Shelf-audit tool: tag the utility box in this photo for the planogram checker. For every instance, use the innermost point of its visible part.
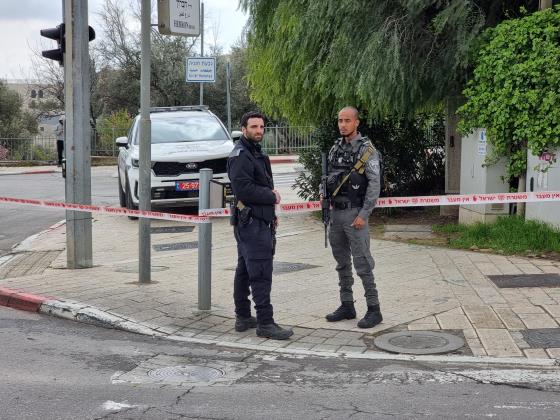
(543, 174)
(477, 178)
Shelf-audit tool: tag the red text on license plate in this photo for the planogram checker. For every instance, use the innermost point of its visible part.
(186, 185)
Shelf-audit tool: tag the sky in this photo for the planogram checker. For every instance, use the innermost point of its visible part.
(21, 21)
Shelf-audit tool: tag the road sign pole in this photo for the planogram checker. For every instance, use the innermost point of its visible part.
(202, 48)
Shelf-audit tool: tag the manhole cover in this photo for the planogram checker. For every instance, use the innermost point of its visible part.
(289, 267)
(419, 342)
(526, 280)
(176, 246)
(134, 268)
(542, 338)
(172, 229)
(187, 373)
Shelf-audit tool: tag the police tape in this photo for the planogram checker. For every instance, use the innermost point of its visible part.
(419, 201)
(115, 211)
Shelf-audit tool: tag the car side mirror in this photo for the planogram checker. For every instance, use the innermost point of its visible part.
(236, 135)
(122, 141)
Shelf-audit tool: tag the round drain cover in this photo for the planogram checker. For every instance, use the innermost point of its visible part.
(419, 342)
(187, 373)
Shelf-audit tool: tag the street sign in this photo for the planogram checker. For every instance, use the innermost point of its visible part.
(201, 69)
(179, 17)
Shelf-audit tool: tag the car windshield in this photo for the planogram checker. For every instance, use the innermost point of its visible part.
(185, 129)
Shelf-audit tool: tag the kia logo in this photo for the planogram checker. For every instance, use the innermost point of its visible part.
(191, 165)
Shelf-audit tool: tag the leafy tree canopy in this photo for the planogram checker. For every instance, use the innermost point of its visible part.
(14, 122)
(309, 58)
(515, 90)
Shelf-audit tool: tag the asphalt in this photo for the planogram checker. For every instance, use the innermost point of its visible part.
(421, 289)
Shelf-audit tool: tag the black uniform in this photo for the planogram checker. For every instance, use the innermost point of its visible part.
(251, 180)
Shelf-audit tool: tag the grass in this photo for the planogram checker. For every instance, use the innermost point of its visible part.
(508, 235)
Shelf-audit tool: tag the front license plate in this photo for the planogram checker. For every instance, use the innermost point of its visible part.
(186, 186)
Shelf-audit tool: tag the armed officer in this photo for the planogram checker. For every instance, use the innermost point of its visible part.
(254, 223)
(353, 188)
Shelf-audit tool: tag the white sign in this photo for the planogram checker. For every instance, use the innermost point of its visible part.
(201, 69)
(482, 149)
(179, 17)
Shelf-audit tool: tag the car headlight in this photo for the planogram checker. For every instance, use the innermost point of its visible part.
(134, 163)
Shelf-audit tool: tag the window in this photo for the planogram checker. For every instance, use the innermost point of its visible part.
(33, 93)
(186, 129)
(40, 94)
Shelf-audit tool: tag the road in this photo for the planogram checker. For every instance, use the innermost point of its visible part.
(20, 222)
(58, 369)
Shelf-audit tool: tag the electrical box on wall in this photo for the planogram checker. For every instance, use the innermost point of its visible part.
(543, 174)
(476, 177)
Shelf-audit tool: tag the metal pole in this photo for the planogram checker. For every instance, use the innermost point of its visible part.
(228, 95)
(145, 178)
(204, 244)
(202, 48)
(78, 133)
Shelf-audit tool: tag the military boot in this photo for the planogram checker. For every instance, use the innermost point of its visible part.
(273, 331)
(243, 324)
(371, 318)
(345, 311)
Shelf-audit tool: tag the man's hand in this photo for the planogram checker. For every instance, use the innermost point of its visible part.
(358, 223)
(277, 194)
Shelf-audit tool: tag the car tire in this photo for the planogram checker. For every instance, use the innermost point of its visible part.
(128, 200)
(122, 197)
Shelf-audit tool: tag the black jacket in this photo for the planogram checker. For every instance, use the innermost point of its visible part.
(251, 178)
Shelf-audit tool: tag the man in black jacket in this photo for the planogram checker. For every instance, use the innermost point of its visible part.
(254, 225)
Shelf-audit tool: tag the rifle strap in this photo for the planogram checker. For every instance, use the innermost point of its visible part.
(359, 167)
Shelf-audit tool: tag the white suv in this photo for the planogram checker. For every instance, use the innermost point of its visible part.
(185, 139)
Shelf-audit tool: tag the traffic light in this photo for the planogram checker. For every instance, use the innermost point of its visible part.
(58, 35)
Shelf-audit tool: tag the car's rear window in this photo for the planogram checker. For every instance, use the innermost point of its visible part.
(192, 128)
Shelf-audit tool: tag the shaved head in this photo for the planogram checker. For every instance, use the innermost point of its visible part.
(353, 110)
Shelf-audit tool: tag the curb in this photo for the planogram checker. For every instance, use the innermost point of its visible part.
(46, 171)
(81, 312)
(20, 300)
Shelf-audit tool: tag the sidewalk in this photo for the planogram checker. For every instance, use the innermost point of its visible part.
(421, 288)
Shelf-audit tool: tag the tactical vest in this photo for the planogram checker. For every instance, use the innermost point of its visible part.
(340, 164)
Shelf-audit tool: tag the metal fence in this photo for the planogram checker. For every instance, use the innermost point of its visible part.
(278, 140)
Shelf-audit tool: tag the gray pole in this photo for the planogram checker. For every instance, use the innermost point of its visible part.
(202, 48)
(228, 95)
(145, 178)
(77, 133)
(204, 244)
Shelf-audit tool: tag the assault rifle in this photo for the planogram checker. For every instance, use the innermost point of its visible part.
(325, 201)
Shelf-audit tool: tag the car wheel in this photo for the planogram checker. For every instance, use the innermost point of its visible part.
(122, 197)
(128, 199)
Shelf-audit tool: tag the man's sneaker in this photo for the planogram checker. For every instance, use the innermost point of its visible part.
(243, 324)
(274, 331)
(371, 318)
(344, 311)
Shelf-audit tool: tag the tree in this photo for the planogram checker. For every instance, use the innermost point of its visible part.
(515, 90)
(14, 122)
(389, 57)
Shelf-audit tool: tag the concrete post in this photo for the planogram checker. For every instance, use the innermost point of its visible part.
(204, 244)
(145, 164)
(78, 133)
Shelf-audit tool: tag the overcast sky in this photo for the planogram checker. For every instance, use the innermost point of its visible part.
(21, 21)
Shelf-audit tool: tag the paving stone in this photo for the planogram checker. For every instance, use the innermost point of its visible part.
(311, 339)
(498, 342)
(324, 333)
(553, 310)
(349, 335)
(423, 327)
(325, 347)
(300, 346)
(478, 351)
(509, 318)
(533, 321)
(482, 317)
(453, 322)
(251, 340)
(535, 354)
(351, 349)
(554, 352)
(337, 341)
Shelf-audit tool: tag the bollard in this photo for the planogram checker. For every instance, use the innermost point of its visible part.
(204, 244)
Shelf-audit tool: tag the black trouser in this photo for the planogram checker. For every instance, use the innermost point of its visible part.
(60, 150)
(254, 270)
